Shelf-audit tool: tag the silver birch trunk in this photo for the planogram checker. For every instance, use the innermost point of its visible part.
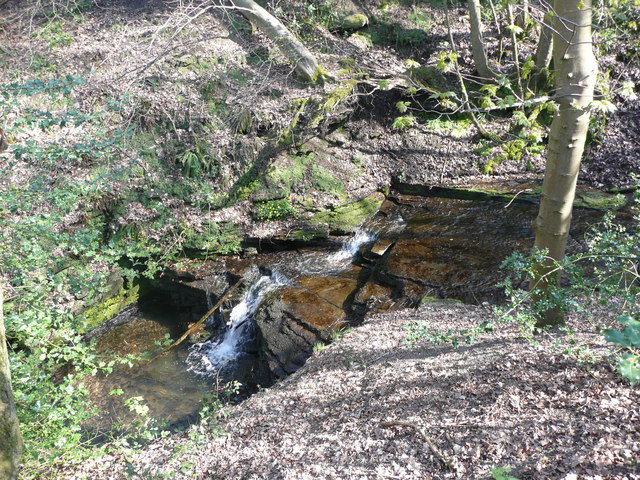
(304, 62)
(575, 73)
(10, 440)
(477, 42)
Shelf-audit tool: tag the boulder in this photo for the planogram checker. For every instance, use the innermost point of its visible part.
(291, 321)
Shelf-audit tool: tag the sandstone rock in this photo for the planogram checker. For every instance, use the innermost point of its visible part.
(297, 317)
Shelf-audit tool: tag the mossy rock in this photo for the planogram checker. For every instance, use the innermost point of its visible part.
(308, 234)
(96, 315)
(600, 201)
(428, 77)
(592, 200)
(269, 193)
(463, 193)
(345, 218)
(352, 22)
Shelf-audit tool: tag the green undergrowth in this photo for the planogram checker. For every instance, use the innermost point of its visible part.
(271, 192)
(274, 210)
(80, 226)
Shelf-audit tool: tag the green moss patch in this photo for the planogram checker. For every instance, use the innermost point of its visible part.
(96, 315)
(353, 22)
(592, 200)
(345, 218)
(600, 201)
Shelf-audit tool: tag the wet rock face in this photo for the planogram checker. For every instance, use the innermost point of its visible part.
(297, 317)
(453, 248)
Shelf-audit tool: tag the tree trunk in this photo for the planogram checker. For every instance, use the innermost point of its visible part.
(543, 54)
(522, 17)
(10, 440)
(516, 55)
(575, 73)
(305, 63)
(477, 42)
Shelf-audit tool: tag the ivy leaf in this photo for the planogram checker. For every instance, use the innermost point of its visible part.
(628, 91)
(403, 106)
(501, 473)
(617, 337)
(603, 106)
(402, 123)
(491, 89)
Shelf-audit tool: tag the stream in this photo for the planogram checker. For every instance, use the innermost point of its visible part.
(415, 248)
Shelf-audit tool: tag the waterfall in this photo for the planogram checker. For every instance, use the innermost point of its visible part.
(210, 357)
(231, 349)
(319, 265)
(352, 246)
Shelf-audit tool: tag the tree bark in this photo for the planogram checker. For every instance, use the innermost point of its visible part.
(543, 53)
(304, 62)
(10, 440)
(477, 42)
(522, 17)
(575, 73)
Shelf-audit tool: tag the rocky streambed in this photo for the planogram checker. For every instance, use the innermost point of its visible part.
(296, 296)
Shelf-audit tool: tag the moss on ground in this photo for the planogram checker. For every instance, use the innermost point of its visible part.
(600, 201)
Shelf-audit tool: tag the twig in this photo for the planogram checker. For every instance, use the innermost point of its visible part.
(422, 434)
(516, 196)
(483, 133)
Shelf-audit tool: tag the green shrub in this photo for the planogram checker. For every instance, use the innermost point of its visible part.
(62, 236)
(629, 339)
(274, 210)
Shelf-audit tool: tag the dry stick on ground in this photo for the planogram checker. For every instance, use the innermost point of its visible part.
(422, 434)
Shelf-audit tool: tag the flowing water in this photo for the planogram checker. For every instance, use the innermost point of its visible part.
(414, 248)
(227, 353)
(209, 358)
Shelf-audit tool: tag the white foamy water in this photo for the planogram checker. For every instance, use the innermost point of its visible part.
(351, 247)
(324, 264)
(208, 358)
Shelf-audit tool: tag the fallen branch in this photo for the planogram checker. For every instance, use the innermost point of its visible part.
(422, 434)
(204, 318)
